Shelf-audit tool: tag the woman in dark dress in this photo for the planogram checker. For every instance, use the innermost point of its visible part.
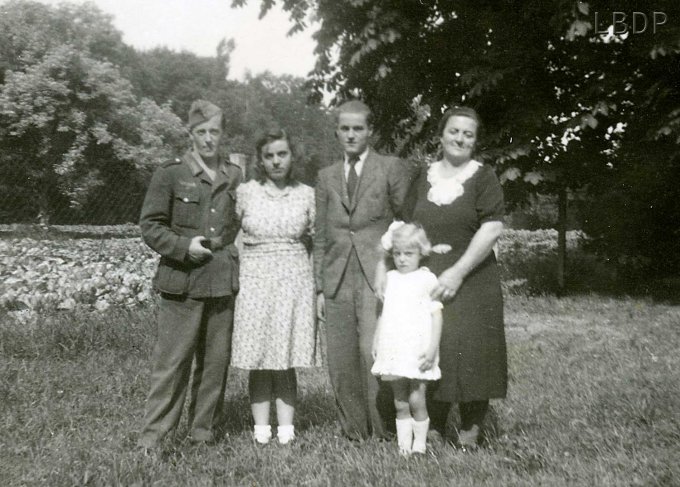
(459, 202)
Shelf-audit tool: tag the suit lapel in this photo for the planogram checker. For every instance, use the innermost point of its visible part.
(368, 175)
(339, 184)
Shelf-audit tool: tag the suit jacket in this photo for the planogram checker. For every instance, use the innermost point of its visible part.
(182, 202)
(342, 225)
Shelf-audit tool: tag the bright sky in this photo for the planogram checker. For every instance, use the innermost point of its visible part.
(199, 25)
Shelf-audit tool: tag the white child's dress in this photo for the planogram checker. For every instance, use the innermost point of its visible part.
(406, 326)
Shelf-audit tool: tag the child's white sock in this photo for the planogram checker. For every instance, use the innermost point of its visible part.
(285, 433)
(405, 435)
(262, 433)
(420, 435)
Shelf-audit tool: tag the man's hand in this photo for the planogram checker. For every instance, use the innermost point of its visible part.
(380, 280)
(197, 253)
(379, 284)
(320, 307)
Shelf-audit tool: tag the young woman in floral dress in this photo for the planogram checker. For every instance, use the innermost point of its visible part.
(274, 322)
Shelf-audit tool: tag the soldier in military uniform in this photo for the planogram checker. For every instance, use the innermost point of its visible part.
(189, 218)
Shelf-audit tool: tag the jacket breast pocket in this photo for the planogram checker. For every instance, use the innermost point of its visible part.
(186, 211)
(377, 204)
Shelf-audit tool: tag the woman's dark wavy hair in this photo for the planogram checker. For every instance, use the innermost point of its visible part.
(459, 112)
(273, 134)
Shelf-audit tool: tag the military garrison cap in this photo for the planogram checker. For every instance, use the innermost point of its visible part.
(202, 111)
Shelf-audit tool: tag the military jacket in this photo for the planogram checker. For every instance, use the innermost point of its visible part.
(181, 203)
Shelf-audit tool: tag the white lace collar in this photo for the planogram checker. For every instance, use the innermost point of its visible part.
(445, 189)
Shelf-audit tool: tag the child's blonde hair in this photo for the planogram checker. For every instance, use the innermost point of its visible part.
(412, 234)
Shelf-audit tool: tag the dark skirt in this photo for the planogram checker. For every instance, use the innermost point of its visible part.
(472, 349)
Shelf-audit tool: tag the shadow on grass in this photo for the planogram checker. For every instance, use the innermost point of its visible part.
(584, 274)
(315, 404)
(593, 400)
(71, 334)
(68, 232)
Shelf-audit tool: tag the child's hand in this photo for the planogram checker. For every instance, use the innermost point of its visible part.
(426, 361)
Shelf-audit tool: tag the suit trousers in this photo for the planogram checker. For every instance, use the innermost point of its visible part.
(365, 404)
(189, 329)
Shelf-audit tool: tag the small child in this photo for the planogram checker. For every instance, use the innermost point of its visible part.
(406, 342)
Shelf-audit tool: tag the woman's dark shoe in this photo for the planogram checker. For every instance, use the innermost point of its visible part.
(468, 440)
(437, 441)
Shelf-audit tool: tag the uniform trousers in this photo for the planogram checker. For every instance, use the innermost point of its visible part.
(365, 404)
(189, 329)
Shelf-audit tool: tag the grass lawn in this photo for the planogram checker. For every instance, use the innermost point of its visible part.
(594, 400)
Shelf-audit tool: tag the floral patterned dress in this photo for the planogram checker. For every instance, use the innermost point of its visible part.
(274, 319)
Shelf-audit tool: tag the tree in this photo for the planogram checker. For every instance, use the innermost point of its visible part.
(539, 72)
(77, 139)
(179, 78)
(29, 30)
(634, 205)
(71, 126)
(264, 100)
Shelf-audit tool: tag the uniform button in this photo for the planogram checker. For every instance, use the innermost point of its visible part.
(212, 229)
(186, 200)
(351, 233)
(212, 210)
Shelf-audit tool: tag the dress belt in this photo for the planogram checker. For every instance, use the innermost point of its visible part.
(272, 246)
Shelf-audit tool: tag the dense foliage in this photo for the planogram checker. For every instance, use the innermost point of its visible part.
(567, 109)
(84, 270)
(61, 274)
(73, 134)
(84, 118)
(74, 138)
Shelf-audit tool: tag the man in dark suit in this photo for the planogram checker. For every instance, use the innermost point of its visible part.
(356, 200)
(189, 218)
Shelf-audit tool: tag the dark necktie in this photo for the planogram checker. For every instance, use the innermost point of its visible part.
(352, 177)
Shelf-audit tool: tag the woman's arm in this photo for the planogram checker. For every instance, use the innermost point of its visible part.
(479, 248)
(319, 243)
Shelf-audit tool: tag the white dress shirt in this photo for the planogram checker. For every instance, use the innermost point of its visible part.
(358, 166)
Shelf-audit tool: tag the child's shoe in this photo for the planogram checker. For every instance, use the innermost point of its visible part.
(262, 433)
(285, 434)
(405, 435)
(420, 436)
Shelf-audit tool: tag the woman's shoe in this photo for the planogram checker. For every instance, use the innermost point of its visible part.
(262, 433)
(469, 439)
(285, 434)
